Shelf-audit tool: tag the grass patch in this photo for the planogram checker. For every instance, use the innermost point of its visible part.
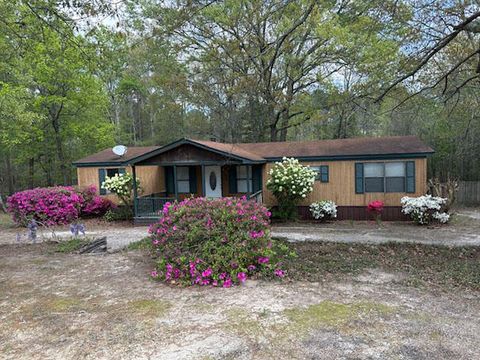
(70, 246)
(329, 313)
(6, 221)
(143, 244)
(424, 264)
(148, 307)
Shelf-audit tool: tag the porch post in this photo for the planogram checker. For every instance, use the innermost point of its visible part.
(135, 192)
(175, 187)
(249, 179)
(203, 180)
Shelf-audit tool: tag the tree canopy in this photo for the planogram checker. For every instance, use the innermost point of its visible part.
(80, 76)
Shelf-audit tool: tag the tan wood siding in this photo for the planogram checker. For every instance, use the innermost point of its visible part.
(152, 178)
(341, 185)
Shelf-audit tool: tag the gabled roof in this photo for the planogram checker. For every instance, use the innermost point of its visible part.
(355, 148)
(108, 158)
(338, 148)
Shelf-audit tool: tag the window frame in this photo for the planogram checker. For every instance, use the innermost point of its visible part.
(183, 180)
(322, 173)
(247, 179)
(385, 177)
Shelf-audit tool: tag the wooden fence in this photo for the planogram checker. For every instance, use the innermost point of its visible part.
(468, 193)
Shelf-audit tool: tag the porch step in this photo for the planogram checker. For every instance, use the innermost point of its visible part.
(145, 220)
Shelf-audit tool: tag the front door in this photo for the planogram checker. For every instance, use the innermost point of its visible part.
(213, 181)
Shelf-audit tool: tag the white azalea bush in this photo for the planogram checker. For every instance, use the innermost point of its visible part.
(324, 210)
(290, 182)
(122, 186)
(425, 209)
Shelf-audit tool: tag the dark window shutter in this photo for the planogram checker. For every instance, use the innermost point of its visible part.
(192, 177)
(324, 173)
(232, 179)
(101, 178)
(169, 182)
(121, 171)
(359, 178)
(410, 177)
(257, 178)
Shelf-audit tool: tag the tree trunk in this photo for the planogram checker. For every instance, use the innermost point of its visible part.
(31, 173)
(10, 178)
(54, 112)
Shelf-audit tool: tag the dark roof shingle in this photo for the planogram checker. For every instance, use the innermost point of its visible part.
(107, 155)
(353, 147)
(340, 147)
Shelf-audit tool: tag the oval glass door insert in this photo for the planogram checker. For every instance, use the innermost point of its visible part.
(213, 180)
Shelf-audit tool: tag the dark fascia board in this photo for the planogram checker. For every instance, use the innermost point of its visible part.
(356, 157)
(99, 164)
(194, 143)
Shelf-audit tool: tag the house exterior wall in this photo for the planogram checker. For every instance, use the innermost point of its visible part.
(341, 185)
(152, 178)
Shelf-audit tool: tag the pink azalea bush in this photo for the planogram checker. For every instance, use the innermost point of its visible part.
(94, 205)
(55, 205)
(375, 207)
(220, 242)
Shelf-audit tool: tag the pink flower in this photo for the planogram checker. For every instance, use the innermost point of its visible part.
(279, 273)
(154, 273)
(227, 283)
(263, 260)
(155, 242)
(214, 283)
(251, 268)
(207, 272)
(241, 276)
(223, 276)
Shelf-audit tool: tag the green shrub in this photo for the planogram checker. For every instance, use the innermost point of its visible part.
(119, 214)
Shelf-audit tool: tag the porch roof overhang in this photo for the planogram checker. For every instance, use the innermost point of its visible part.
(231, 155)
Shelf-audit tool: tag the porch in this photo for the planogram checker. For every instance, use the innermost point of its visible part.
(188, 169)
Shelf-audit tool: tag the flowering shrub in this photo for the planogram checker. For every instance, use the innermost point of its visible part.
(94, 205)
(323, 210)
(56, 205)
(122, 186)
(424, 209)
(217, 242)
(50, 206)
(290, 182)
(375, 207)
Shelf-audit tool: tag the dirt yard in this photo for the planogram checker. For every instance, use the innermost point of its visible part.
(66, 306)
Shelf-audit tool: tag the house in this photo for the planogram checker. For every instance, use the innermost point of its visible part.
(351, 172)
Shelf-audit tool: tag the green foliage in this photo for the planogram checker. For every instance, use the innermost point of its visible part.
(120, 213)
(69, 88)
(70, 246)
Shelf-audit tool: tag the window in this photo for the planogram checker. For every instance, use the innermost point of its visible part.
(183, 179)
(384, 177)
(244, 176)
(322, 173)
(374, 177)
(395, 177)
(112, 172)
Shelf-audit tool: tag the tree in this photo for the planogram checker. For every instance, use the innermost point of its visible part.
(275, 51)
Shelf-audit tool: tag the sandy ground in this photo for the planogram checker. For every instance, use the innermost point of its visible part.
(59, 306)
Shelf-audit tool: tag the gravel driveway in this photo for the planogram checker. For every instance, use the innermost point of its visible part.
(464, 231)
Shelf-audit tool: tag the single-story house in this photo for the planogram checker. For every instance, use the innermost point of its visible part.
(351, 172)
